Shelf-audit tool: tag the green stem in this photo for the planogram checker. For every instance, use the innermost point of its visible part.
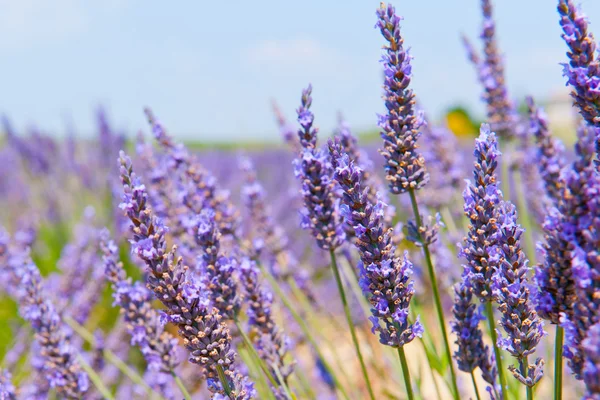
(224, 380)
(475, 385)
(436, 294)
(261, 363)
(490, 317)
(340, 285)
(558, 362)
(96, 380)
(525, 373)
(109, 355)
(181, 386)
(406, 373)
(285, 387)
(286, 302)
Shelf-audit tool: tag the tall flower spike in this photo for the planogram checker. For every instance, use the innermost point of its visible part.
(583, 70)
(315, 172)
(60, 368)
(217, 271)
(550, 153)
(581, 225)
(401, 126)
(591, 366)
(520, 321)
(286, 129)
(481, 199)
(471, 352)
(384, 279)
(204, 333)
(143, 322)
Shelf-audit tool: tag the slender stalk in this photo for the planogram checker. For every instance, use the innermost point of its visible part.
(285, 387)
(558, 362)
(254, 353)
(307, 333)
(109, 355)
(525, 373)
(475, 385)
(406, 373)
(490, 317)
(96, 380)
(340, 285)
(181, 386)
(436, 294)
(224, 380)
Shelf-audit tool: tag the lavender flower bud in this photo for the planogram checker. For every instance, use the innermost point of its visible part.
(591, 366)
(550, 155)
(471, 352)
(384, 279)
(315, 172)
(59, 365)
(583, 69)
(143, 322)
(481, 199)
(520, 321)
(401, 127)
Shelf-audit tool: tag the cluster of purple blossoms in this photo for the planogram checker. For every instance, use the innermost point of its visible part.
(60, 368)
(7, 389)
(482, 198)
(216, 270)
(520, 321)
(198, 188)
(472, 352)
(315, 172)
(384, 278)
(490, 69)
(143, 322)
(583, 70)
(204, 333)
(401, 126)
(550, 153)
(581, 226)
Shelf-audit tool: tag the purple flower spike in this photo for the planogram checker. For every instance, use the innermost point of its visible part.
(401, 126)
(384, 279)
(550, 153)
(472, 352)
(143, 321)
(583, 70)
(60, 368)
(591, 366)
(307, 134)
(315, 172)
(481, 200)
(204, 333)
(520, 321)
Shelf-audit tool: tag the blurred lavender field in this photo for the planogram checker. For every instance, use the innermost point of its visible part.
(453, 260)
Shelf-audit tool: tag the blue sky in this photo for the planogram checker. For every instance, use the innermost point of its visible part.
(209, 68)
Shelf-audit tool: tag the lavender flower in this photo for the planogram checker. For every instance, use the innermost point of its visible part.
(287, 130)
(401, 127)
(315, 172)
(500, 110)
(384, 279)
(520, 321)
(143, 322)
(217, 271)
(550, 154)
(591, 367)
(204, 333)
(59, 365)
(471, 352)
(481, 199)
(583, 70)
(271, 342)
